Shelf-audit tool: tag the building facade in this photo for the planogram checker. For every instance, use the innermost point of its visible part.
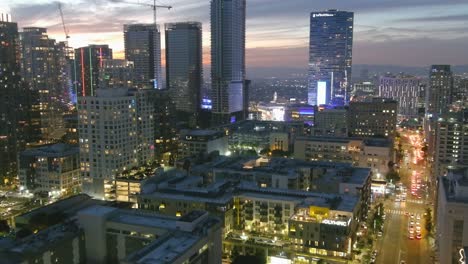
(452, 217)
(330, 56)
(376, 118)
(143, 48)
(112, 235)
(440, 90)
(228, 60)
(202, 142)
(111, 138)
(88, 61)
(375, 154)
(184, 69)
(331, 122)
(403, 89)
(53, 169)
(451, 142)
(117, 74)
(16, 126)
(42, 69)
(460, 89)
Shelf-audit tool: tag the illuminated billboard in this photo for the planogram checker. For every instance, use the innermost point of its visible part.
(321, 93)
(279, 260)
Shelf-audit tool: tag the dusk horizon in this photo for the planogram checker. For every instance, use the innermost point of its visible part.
(419, 33)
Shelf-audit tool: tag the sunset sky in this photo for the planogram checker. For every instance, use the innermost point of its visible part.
(398, 32)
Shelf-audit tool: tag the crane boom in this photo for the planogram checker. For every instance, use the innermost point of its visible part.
(65, 30)
(157, 55)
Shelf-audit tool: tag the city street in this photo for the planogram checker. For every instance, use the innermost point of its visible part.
(400, 243)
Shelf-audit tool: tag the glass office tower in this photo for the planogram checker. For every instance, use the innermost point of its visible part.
(330, 56)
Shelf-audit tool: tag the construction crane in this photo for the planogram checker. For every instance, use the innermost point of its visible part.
(157, 56)
(65, 30)
(70, 57)
(154, 6)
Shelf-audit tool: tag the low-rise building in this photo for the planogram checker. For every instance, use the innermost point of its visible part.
(259, 201)
(259, 135)
(104, 234)
(52, 169)
(372, 153)
(128, 183)
(201, 142)
(130, 236)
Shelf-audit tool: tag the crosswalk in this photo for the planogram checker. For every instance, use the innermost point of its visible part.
(395, 211)
(414, 201)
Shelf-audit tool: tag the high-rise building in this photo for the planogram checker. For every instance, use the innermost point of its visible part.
(330, 56)
(116, 74)
(452, 217)
(143, 47)
(376, 118)
(460, 89)
(451, 142)
(15, 107)
(88, 61)
(439, 94)
(41, 69)
(184, 68)
(405, 90)
(165, 137)
(331, 122)
(111, 138)
(228, 60)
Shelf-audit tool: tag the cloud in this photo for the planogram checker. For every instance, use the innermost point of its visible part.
(277, 31)
(449, 18)
(412, 52)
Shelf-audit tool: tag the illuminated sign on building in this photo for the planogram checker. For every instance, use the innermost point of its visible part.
(462, 259)
(334, 222)
(279, 260)
(206, 104)
(278, 114)
(323, 15)
(321, 93)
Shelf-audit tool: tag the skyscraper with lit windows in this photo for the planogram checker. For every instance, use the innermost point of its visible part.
(330, 56)
(143, 48)
(16, 128)
(184, 68)
(116, 130)
(228, 60)
(88, 61)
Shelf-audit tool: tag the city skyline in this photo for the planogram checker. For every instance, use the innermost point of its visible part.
(418, 33)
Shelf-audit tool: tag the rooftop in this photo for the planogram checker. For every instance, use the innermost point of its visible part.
(455, 187)
(168, 249)
(139, 218)
(202, 133)
(52, 151)
(68, 206)
(46, 239)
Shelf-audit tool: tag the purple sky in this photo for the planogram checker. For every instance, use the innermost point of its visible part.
(399, 32)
